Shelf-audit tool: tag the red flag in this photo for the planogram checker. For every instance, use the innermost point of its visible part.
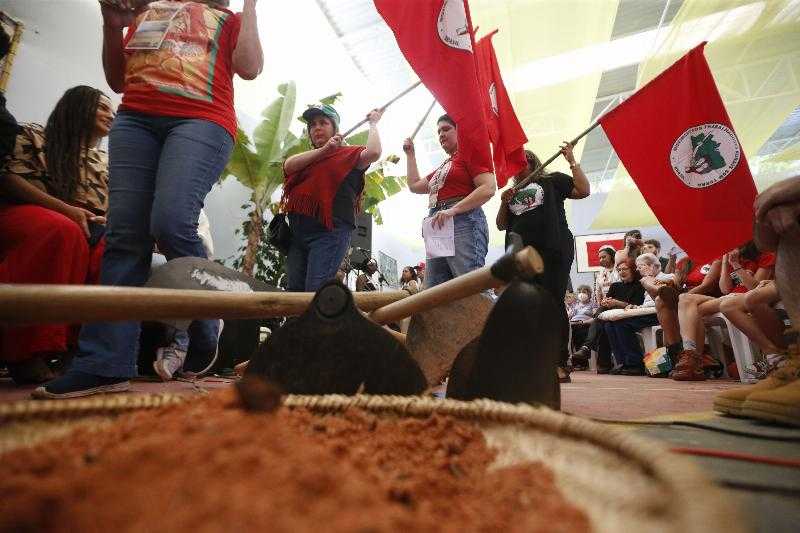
(507, 136)
(435, 37)
(677, 143)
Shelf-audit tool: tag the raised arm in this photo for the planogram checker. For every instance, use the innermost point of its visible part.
(503, 212)
(416, 183)
(373, 150)
(581, 188)
(114, 20)
(298, 162)
(248, 58)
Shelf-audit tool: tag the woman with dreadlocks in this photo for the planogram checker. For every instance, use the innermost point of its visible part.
(169, 144)
(53, 197)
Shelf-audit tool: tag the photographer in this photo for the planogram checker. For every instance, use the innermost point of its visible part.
(364, 280)
(632, 249)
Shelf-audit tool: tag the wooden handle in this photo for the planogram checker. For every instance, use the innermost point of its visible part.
(382, 108)
(423, 119)
(92, 303)
(527, 261)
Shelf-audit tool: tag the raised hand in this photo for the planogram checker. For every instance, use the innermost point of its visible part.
(374, 116)
(408, 146)
(332, 144)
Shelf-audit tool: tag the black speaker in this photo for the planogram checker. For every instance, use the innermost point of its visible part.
(362, 235)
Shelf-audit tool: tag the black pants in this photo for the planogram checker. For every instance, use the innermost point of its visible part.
(597, 340)
(555, 279)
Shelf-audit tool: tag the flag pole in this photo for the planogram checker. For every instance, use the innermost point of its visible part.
(382, 108)
(424, 118)
(580, 136)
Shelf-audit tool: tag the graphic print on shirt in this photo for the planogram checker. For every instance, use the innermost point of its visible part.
(184, 63)
(437, 182)
(529, 197)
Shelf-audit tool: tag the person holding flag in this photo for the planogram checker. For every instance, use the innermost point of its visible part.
(536, 213)
(457, 190)
(323, 186)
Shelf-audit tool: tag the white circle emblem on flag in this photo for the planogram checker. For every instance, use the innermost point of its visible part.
(705, 155)
(452, 25)
(493, 98)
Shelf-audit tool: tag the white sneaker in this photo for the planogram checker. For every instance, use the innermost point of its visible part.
(169, 360)
(187, 374)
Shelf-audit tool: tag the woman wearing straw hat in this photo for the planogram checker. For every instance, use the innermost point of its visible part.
(321, 193)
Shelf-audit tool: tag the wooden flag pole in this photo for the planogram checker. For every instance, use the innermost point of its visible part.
(424, 118)
(383, 108)
(580, 136)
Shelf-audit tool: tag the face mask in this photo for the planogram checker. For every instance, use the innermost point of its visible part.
(583, 297)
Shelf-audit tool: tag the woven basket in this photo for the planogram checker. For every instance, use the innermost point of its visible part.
(621, 481)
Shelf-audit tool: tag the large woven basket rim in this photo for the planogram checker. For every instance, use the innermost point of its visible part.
(699, 505)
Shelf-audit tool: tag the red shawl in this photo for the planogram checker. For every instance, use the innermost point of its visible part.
(311, 191)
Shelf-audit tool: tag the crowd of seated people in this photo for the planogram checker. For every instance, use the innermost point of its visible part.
(678, 296)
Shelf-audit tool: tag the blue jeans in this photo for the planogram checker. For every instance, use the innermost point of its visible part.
(471, 233)
(623, 340)
(161, 169)
(315, 253)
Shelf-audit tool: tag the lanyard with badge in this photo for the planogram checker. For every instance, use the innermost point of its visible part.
(150, 33)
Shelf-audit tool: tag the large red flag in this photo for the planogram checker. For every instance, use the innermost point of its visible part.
(505, 132)
(677, 143)
(436, 39)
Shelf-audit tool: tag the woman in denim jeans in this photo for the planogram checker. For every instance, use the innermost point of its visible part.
(167, 147)
(455, 190)
(321, 193)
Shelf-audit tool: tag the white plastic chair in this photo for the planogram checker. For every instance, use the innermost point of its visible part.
(743, 349)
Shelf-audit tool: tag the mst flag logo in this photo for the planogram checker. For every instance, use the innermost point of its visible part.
(452, 25)
(705, 155)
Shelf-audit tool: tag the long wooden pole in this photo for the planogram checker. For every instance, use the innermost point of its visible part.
(526, 260)
(424, 118)
(580, 136)
(382, 108)
(92, 303)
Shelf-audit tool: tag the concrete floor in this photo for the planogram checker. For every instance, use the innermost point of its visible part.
(769, 496)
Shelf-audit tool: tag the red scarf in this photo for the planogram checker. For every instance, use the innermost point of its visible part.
(311, 190)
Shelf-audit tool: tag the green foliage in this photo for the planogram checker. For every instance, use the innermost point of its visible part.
(270, 264)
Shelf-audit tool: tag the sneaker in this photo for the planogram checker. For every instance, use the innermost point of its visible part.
(689, 367)
(732, 402)
(169, 360)
(76, 384)
(760, 369)
(203, 368)
(781, 404)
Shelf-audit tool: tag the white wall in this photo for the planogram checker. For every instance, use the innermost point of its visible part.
(60, 48)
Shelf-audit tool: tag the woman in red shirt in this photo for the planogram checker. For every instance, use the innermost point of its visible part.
(455, 190)
(169, 143)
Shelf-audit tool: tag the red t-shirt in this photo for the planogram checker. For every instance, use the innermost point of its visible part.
(191, 74)
(764, 260)
(454, 178)
(696, 275)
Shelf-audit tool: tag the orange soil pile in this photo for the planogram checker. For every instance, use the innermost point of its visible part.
(208, 465)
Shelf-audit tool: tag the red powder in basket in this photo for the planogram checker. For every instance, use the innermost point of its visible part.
(207, 465)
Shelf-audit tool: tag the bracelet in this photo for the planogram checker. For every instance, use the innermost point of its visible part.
(574, 165)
